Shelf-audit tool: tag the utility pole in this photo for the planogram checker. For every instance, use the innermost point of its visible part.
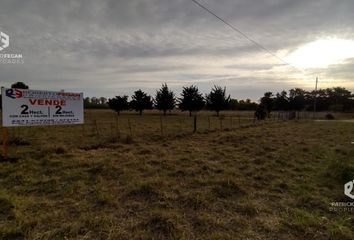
(315, 100)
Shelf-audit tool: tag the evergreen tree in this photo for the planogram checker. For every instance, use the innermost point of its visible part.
(119, 103)
(165, 99)
(191, 100)
(217, 100)
(268, 102)
(141, 101)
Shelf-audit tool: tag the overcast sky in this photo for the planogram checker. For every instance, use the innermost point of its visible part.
(107, 48)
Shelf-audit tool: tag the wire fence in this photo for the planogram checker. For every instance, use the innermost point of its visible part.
(102, 129)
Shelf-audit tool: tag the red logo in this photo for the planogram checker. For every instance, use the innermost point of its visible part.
(14, 93)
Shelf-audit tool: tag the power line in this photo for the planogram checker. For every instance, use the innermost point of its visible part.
(254, 42)
(241, 33)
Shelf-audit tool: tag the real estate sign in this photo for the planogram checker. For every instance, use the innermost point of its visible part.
(24, 107)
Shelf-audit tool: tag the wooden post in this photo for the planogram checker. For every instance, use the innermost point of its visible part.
(112, 130)
(180, 125)
(195, 124)
(161, 126)
(315, 100)
(239, 121)
(96, 127)
(83, 133)
(220, 123)
(209, 122)
(83, 130)
(231, 122)
(5, 143)
(130, 128)
(117, 127)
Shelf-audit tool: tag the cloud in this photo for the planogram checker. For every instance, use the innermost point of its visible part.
(108, 47)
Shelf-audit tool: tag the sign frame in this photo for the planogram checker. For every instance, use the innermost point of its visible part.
(28, 107)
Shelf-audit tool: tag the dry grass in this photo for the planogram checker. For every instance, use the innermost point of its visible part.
(270, 181)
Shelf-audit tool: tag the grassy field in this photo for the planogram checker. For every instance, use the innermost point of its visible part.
(273, 180)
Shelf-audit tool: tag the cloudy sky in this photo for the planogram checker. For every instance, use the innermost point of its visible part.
(113, 47)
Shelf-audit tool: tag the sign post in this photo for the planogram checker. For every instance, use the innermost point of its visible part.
(5, 143)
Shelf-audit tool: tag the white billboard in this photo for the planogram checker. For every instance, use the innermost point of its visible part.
(24, 107)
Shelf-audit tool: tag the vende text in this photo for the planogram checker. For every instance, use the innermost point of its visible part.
(49, 102)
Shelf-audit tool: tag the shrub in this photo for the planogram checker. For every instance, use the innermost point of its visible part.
(329, 116)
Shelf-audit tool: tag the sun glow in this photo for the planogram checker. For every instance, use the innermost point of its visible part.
(322, 53)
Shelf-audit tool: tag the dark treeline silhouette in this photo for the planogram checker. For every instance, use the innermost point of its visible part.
(191, 100)
(95, 103)
(242, 105)
(336, 99)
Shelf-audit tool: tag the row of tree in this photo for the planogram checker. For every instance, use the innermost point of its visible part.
(95, 103)
(191, 100)
(331, 99)
(297, 99)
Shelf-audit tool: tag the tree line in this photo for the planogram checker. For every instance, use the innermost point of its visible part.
(95, 103)
(191, 95)
(336, 99)
(191, 100)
